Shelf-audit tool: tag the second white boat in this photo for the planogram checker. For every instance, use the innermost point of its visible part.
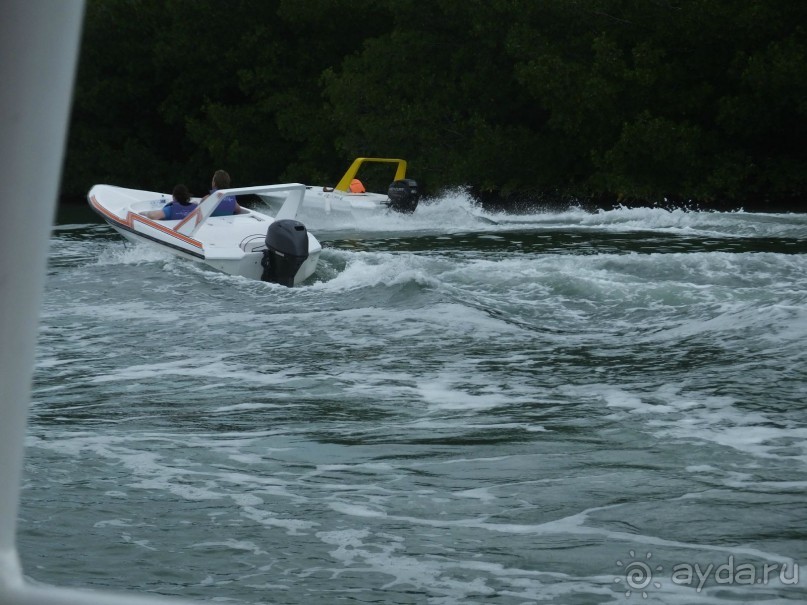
(348, 198)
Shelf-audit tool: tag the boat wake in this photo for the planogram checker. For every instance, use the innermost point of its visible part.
(457, 212)
(450, 213)
(589, 381)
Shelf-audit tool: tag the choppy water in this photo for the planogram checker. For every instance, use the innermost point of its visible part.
(535, 409)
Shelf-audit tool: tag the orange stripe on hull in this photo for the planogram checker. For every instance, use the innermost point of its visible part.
(132, 217)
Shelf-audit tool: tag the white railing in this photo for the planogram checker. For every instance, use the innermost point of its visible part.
(289, 209)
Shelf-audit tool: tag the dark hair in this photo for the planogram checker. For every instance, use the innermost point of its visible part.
(221, 179)
(182, 195)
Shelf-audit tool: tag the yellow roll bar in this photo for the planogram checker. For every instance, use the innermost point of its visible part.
(344, 184)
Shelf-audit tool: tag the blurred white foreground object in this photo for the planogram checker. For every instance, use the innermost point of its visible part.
(39, 42)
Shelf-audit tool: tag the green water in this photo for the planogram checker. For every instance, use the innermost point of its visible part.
(554, 408)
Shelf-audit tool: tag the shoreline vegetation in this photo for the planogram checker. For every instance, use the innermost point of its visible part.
(694, 104)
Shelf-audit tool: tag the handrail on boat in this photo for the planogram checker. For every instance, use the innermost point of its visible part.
(194, 221)
(344, 183)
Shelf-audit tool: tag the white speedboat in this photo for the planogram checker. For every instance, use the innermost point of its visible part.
(349, 198)
(276, 249)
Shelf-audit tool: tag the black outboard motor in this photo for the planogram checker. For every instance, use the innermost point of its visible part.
(287, 250)
(403, 195)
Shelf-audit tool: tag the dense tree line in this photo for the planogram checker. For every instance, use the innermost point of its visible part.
(602, 100)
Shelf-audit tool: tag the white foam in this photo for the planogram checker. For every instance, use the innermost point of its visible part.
(442, 395)
(231, 544)
(574, 524)
(452, 212)
(687, 222)
(365, 269)
(267, 518)
(119, 253)
(686, 415)
(113, 523)
(456, 211)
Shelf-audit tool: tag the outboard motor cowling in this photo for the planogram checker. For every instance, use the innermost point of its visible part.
(286, 251)
(403, 195)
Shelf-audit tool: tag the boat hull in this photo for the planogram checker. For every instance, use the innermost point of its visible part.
(232, 244)
(322, 200)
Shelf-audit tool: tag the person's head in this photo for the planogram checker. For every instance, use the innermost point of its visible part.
(221, 180)
(181, 194)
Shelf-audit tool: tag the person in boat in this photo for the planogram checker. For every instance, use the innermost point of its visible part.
(228, 205)
(178, 208)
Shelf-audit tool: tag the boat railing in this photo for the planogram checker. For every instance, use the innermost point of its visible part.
(352, 171)
(194, 221)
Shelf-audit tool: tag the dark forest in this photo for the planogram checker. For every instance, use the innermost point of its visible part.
(700, 103)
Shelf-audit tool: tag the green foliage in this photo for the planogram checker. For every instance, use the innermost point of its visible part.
(605, 99)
